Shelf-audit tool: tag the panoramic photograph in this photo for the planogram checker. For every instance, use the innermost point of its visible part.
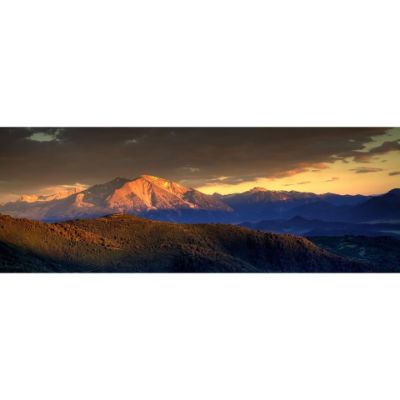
(200, 200)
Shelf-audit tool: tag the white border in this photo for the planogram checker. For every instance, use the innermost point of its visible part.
(199, 337)
(214, 63)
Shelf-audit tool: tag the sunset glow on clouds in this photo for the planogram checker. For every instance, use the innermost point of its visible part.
(374, 169)
(225, 160)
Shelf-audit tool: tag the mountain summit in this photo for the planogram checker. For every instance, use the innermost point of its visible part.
(148, 193)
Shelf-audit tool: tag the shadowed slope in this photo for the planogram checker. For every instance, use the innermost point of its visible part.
(124, 243)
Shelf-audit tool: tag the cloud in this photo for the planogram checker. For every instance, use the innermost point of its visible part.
(300, 168)
(298, 183)
(93, 155)
(304, 183)
(226, 180)
(394, 173)
(365, 170)
(191, 169)
(131, 141)
(60, 188)
(384, 148)
(48, 135)
(335, 178)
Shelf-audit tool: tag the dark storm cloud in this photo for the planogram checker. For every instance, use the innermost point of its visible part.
(34, 158)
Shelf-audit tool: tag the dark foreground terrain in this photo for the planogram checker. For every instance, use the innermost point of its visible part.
(122, 243)
(383, 252)
(313, 227)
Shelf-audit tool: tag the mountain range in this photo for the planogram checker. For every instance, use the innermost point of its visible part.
(162, 199)
(146, 195)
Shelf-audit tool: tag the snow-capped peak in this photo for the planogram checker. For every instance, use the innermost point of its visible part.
(32, 198)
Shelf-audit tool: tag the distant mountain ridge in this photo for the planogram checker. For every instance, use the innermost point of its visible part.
(385, 207)
(260, 204)
(162, 199)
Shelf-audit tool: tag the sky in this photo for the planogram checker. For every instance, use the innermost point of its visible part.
(224, 160)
